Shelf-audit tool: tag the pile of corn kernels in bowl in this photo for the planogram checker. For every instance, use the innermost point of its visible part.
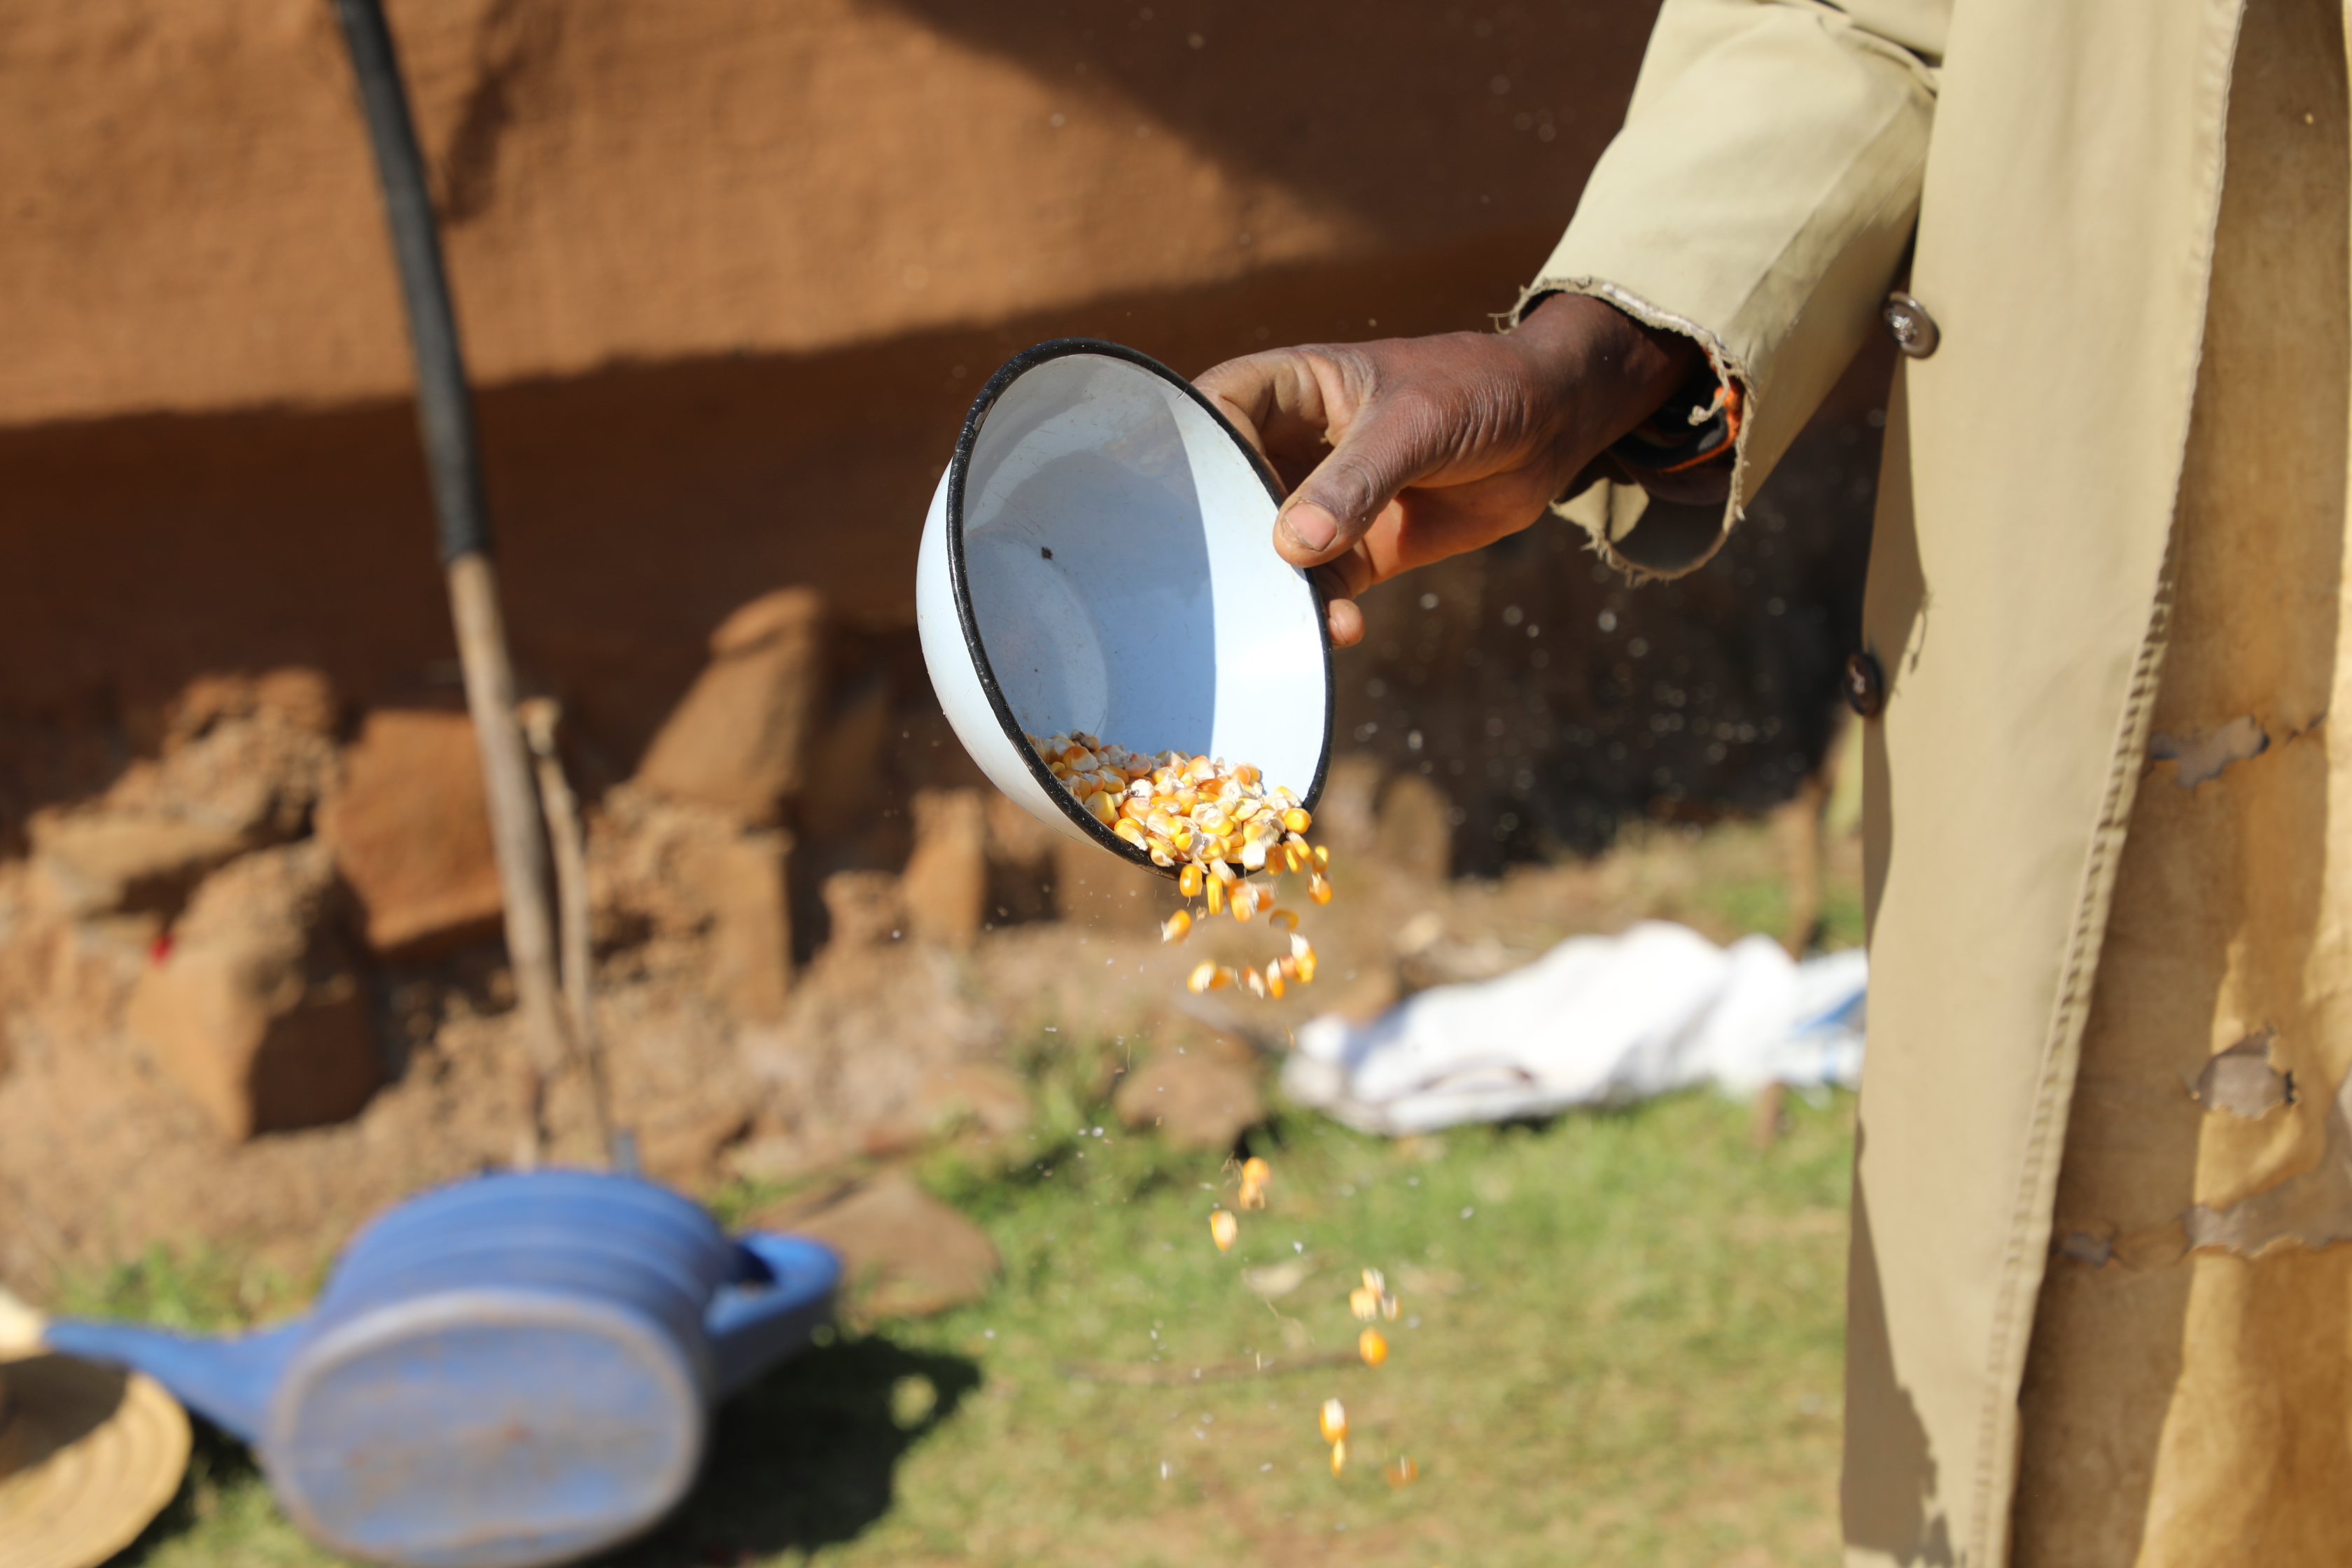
(1211, 822)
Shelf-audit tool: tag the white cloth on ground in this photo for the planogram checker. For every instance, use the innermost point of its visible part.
(1598, 1020)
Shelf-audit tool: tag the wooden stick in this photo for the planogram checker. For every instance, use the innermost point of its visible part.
(516, 837)
(444, 416)
(569, 840)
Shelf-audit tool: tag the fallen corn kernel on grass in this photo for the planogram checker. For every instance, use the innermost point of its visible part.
(1202, 817)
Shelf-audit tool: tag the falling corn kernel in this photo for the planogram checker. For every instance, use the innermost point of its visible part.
(1338, 1457)
(1373, 1346)
(1402, 1472)
(1203, 978)
(1334, 1421)
(1209, 822)
(1365, 1302)
(1256, 1176)
(1222, 1228)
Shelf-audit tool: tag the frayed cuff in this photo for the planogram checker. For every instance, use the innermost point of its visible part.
(1705, 421)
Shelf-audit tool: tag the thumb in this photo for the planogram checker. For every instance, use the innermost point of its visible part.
(1390, 445)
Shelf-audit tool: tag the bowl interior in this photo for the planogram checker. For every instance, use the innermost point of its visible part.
(1119, 574)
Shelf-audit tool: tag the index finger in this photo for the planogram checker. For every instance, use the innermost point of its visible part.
(1275, 399)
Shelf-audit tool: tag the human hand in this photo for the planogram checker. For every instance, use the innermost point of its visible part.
(1408, 450)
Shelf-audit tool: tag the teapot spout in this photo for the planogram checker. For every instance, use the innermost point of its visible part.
(227, 1382)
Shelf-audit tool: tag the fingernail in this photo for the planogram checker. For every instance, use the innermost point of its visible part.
(1311, 525)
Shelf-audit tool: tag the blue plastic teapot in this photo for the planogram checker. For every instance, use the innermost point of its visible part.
(512, 1369)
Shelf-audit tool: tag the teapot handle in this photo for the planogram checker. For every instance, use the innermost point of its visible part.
(781, 1292)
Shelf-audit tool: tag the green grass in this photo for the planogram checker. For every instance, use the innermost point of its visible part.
(1620, 1344)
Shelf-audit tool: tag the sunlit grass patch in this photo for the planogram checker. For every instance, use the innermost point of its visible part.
(1618, 1341)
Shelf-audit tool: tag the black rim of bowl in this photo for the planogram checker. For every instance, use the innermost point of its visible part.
(1012, 370)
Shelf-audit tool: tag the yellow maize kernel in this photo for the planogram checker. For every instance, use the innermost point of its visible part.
(1222, 1228)
(1296, 820)
(1318, 887)
(1274, 980)
(1247, 774)
(1334, 1421)
(1287, 919)
(1182, 838)
(1373, 1346)
(1203, 978)
(1402, 1472)
(1364, 1302)
(1223, 873)
(1161, 824)
(1216, 894)
(1253, 857)
(1254, 981)
(1162, 855)
(1100, 807)
(1322, 857)
(1338, 1457)
(1177, 927)
(1257, 1170)
(1188, 881)
(1253, 1196)
(1128, 830)
(1389, 1308)
(1245, 901)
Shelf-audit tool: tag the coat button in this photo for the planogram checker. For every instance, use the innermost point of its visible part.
(1865, 685)
(1913, 328)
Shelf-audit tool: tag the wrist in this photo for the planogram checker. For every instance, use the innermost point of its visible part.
(1599, 372)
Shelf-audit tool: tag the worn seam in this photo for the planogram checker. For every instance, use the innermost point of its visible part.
(1998, 1426)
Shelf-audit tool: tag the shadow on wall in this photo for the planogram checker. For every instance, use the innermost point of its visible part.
(1543, 697)
(635, 509)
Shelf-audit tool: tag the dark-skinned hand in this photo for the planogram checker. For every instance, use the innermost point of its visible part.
(1408, 450)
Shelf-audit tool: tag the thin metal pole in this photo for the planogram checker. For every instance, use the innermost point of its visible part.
(445, 416)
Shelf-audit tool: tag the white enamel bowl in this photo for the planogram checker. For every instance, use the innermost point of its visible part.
(1099, 557)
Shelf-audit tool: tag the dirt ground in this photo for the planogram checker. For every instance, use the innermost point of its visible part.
(887, 1044)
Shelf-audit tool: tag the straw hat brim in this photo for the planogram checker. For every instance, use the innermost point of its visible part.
(88, 1454)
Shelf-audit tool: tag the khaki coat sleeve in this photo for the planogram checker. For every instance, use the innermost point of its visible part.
(1758, 200)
